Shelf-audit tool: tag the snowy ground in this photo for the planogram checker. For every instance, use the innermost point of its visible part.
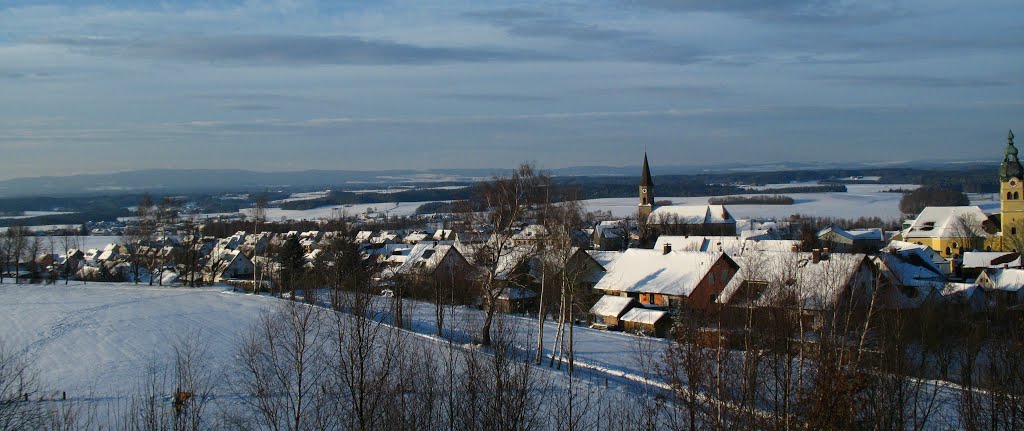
(860, 200)
(328, 212)
(97, 340)
(28, 214)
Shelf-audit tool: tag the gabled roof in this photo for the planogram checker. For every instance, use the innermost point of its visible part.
(795, 275)
(910, 271)
(943, 222)
(651, 271)
(604, 258)
(873, 234)
(424, 258)
(610, 305)
(691, 214)
(1006, 279)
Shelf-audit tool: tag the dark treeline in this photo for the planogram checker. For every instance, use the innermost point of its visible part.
(931, 196)
(752, 200)
(344, 198)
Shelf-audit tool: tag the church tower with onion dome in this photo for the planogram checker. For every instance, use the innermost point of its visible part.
(1011, 190)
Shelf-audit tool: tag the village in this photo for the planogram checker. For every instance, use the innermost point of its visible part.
(627, 274)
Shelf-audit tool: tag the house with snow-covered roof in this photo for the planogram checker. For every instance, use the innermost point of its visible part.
(852, 240)
(610, 235)
(951, 231)
(974, 262)
(813, 282)
(907, 280)
(667, 278)
(609, 309)
(1003, 285)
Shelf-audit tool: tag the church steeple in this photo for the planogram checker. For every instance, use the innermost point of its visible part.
(645, 178)
(646, 191)
(1011, 167)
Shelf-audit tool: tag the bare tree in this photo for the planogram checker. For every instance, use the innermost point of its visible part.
(19, 387)
(138, 234)
(506, 201)
(283, 368)
(69, 242)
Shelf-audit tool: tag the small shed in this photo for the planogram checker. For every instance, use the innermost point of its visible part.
(609, 310)
(516, 300)
(647, 321)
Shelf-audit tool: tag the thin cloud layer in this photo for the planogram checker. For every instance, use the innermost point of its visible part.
(264, 84)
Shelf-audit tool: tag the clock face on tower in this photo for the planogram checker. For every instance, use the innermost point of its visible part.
(1013, 183)
(643, 190)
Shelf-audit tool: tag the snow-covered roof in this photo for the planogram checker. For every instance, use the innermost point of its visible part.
(515, 293)
(942, 222)
(643, 315)
(691, 214)
(424, 257)
(531, 232)
(734, 246)
(610, 229)
(991, 259)
(909, 270)
(652, 271)
(794, 274)
(1006, 279)
(873, 234)
(610, 305)
(959, 289)
(415, 237)
(604, 258)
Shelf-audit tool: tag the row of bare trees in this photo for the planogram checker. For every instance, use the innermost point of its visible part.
(784, 361)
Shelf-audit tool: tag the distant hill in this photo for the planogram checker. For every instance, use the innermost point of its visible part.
(215, 180)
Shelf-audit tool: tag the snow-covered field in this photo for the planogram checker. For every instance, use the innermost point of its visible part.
(97, 340)
(860, 200)
(328, 212)
(303, 196)
(28, 214)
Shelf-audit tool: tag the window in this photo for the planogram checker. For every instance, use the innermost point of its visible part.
(643, 200)
(948, 251)
(1016, 195)
(1013, 231)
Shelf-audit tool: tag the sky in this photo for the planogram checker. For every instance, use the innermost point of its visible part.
(101, 86)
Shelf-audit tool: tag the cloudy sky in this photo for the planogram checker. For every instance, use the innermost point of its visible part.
(90, 87)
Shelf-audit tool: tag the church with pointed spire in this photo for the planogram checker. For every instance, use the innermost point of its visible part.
(681, 219)
(646, 206)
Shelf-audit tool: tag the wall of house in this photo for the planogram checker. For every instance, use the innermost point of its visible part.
(706, 293)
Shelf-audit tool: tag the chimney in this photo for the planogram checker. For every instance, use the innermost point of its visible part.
(666, 249)
(815, 256)
(1006, 266)
(795, 248)
(824, 251)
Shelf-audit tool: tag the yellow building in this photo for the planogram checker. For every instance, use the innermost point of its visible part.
(954, 230)
(1011, 206)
